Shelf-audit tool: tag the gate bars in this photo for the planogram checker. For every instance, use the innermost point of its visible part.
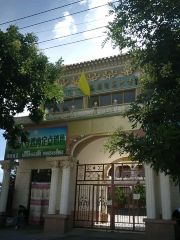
(110, 196)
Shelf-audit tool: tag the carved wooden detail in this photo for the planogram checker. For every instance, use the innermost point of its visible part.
(62, 82)
(110, 74)
(128, 68)
(75, 80)
(93, 77)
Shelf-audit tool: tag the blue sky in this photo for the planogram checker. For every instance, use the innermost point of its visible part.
(88, 50)
(78, 52)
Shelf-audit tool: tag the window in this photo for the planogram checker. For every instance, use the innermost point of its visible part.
(118, 97)
(129, 97)
(102, 100)
(92, 100)
(125, 171)
(108, 99)
(105, 100)
(78, 103)
(67, 105)
(58, 107)
(139, 171)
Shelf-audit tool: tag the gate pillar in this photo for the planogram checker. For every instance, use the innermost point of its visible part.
(66, 165)
(158, 229)
(150, 192)
(7, 165)
(59, 223)
(165, 196)
(53, 189)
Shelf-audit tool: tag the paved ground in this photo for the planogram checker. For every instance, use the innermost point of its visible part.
(36, 233)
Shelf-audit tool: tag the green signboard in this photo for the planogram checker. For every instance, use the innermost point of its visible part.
(113, 84)
(45, 142)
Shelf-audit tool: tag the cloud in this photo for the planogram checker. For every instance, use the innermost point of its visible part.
(95, 3)
(91, 49)
(97, 14)
(83, 2)
(65, 27)
(95, 48)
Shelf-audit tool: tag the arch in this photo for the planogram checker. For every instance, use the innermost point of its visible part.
(81, 142)
(89, 150)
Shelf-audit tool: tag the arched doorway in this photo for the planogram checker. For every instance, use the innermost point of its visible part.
(108, 194)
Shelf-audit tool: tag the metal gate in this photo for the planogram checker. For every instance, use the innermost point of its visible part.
(110, 196)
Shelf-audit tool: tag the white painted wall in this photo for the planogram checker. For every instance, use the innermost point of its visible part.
(92, 153)
(23, 179)
(21, 191)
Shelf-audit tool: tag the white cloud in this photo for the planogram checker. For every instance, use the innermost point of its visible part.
(65, 27)
(95, 3)
(88, 50)
(94, 45)
(96, 14)
(83, 2)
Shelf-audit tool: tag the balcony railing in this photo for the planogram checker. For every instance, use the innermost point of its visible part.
(75, 114)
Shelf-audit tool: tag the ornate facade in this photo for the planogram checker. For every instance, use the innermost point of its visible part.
(85, 178)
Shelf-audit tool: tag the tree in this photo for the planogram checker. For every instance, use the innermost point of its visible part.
(150, 30)
(27, 78)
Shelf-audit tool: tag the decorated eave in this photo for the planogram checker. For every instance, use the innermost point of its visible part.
(103, 75)
(96, 64)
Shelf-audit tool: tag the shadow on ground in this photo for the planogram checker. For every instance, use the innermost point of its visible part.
(37, 233)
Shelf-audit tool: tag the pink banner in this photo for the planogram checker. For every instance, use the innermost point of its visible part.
(39, 202)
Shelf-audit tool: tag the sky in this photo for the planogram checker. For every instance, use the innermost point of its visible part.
(59, 28)
(66, 24)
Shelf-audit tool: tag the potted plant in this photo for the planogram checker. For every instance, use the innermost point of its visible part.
(141, 191)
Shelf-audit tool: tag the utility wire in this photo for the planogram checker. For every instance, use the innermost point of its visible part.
(52, 9)
(64, 16)
(73, 42)
(70, 25)
(71, 34)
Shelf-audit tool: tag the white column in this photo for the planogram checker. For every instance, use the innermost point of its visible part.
(65, 186)
(5, 186)
(165, 196)
(53, 189)
(150, 192)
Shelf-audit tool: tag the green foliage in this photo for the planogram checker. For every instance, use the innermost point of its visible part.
(109, 197)
(27, 77)
(142, 191)
(139, 189)
(119, 196)
(150, 30)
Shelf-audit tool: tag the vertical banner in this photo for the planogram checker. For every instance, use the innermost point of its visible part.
(45, 142)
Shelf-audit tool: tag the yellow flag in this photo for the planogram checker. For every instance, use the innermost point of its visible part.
(83, 84)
